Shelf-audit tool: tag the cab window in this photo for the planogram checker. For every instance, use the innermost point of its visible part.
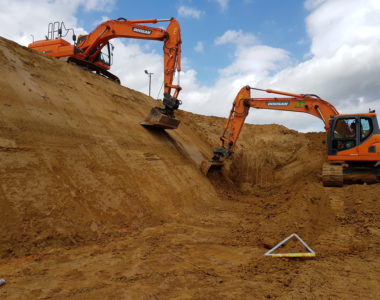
(105, 55)
(345, 128)
(366, 128)
(344, 136)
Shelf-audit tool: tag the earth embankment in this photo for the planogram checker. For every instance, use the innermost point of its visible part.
(95, 206)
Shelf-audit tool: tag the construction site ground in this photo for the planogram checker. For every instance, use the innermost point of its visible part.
(95, 206)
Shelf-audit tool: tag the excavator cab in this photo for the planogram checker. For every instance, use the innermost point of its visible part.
(351, 135)
(353, 148)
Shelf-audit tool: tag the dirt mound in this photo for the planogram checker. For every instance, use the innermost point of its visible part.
(94, 206)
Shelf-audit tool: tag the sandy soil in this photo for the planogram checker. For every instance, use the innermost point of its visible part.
(94, 206)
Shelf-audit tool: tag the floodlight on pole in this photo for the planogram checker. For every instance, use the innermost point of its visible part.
(150, 79)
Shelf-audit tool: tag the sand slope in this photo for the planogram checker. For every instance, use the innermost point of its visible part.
(94, 206)
(74, 159)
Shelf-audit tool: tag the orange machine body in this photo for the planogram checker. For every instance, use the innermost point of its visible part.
(56, 48)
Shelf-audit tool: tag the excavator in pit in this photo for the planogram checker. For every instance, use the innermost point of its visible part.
(353, 140)
(93, 52)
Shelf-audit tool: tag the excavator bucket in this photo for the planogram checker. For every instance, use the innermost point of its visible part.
(217, 160)
(208, 165)
(159, 120)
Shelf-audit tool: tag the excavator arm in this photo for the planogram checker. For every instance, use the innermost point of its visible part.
(91, 45)
(309, 104)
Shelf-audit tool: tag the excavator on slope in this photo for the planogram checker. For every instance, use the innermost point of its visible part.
(93, 52)
(353, 140)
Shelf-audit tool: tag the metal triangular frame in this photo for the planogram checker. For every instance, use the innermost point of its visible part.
(311, 253)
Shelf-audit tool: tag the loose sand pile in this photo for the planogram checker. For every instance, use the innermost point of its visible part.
(94, 206)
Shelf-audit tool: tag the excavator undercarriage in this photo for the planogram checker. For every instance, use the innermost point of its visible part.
(91, 67)
(336, 174)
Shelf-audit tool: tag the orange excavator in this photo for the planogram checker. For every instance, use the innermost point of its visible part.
(353, 140)
(93, 52)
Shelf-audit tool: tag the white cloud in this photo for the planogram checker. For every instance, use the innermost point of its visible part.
(330, 28)
(19, 18)
(255, 60)
(130, 61)
(312, 4)
(105, 6)
(345, 62)
(189, 12)
(223, 4)
(250, 63)
(343, 66)
(101, 20)
(237, 37)
(199, 47)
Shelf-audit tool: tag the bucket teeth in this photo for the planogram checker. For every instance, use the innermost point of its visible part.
(159, 120)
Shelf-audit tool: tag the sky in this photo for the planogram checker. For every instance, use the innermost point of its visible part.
(324, 47)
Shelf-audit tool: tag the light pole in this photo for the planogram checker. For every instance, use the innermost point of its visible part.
(150, 79)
